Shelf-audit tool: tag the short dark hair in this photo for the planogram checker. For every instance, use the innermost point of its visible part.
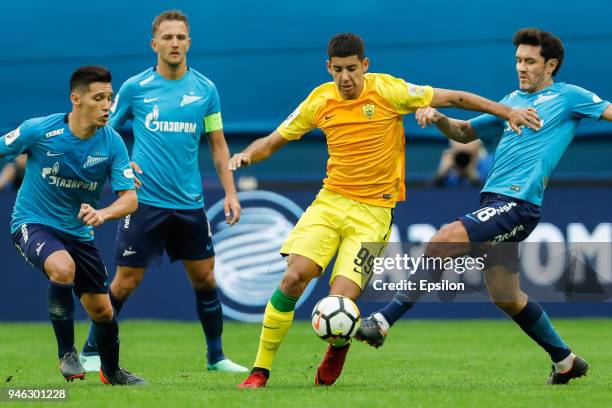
(84, 76)
(346, 44)
(169, 15)
(552, 47)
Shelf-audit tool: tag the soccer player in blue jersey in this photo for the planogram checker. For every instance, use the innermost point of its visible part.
(521, 169)
(171, 106)
(70, 156)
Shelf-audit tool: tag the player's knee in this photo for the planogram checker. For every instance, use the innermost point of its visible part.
(294, 282)
(102, 312)
(61, 271)
(438, 245)
(204, 279)
(124, 284)
(449, 241)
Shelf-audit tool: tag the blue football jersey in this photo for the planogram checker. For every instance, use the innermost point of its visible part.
(522, 164)
(168, 119)
(63, 172)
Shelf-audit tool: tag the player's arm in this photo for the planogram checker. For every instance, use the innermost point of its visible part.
(221, 157)
(465, 100)
(460, 131)
(125, 204)
(257, 151)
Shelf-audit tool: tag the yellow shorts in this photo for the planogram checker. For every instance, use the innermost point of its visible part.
(334, 224)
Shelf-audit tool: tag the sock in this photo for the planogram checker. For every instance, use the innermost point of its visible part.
(396, 308)
(90, 347)
(60, 303)
(535, 322)
(403, 301)
(276, 323)
(211, 317)
(106, 336)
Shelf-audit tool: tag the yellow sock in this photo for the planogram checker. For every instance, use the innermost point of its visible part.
(275, 325)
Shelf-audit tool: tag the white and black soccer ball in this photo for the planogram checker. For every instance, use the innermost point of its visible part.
(335, 319)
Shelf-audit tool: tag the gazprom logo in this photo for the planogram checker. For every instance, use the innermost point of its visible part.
(248, 265)
(153, 124)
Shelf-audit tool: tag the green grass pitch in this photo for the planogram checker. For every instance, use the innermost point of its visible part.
(459, 363)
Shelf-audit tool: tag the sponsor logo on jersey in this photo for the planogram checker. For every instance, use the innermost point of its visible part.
(11, 136)
(53, 154)
(544, 98)
(54, 133)
(94, 161)
(187, 99)
(153, 124)
(596, 99)
(149, 100)
(50, 175)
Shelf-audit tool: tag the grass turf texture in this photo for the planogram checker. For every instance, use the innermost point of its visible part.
(424, 363)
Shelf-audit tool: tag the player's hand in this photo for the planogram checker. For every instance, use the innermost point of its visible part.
(238, 160)
(90, 216)
(138, 170)
(427, 116)
(524, 117)
(231, 205)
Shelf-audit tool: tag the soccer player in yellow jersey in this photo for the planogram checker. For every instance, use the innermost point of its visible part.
(361, 116)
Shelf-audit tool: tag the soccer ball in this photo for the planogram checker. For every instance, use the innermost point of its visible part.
(335, 319)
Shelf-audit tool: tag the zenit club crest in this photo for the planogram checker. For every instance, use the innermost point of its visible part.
(368, 110)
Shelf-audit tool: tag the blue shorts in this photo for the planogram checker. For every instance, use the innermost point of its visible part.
(143, 236)
(501, 223)
(35, 242)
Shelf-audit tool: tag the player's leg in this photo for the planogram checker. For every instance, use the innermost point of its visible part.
(451, 240)
(278, 316)
(365, 233)
(505, 291)
(209, 311)
(190, 240)
(140, 243)
(60, 268)
(330, 368)
(91, 285)
(41, 248)
(310, 246)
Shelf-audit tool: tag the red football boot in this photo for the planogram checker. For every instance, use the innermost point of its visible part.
(257, 379)
(331, 367)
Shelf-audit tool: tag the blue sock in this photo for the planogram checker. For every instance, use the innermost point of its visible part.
(535, 322)
(90, 347)
(211, 317)
(60, 303)
(106, 336)
(396, 308)
(403, 301)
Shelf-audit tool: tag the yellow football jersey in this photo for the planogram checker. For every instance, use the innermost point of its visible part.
(365, 136)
